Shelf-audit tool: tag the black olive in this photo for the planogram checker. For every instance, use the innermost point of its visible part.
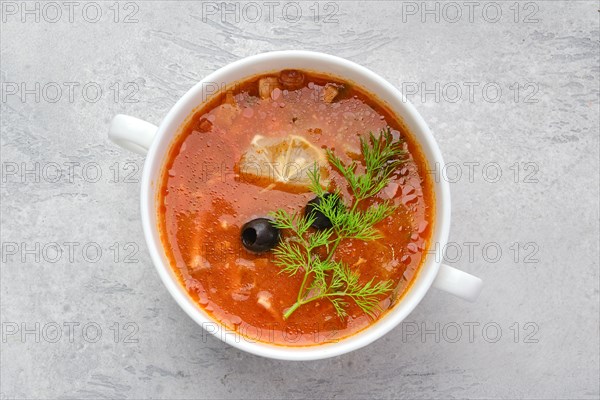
(321, 221)
(259, 235)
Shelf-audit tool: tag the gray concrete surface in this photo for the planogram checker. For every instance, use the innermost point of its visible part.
(82, 325)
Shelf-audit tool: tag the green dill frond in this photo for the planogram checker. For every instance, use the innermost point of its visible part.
(345, 284)
(282, 219)
(320, 269)
(347, 277)
(367, 296)
(340, 306)
(382, 156)
(314, 174)
(333, 208)
(347, 171)
(290, 257)
(377, 213)
(382, 152)
(328, 278)
(320, 238)
(296, 223)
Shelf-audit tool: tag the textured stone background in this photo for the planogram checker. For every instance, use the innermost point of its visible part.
(547, 292)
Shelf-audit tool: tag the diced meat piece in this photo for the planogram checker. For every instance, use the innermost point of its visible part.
(205, 125)
(248, 264)
(242, 279)
(229, 99)
(264, 300)
(266, 86)
(243, 293)
(391, 265)
(330, 92)
(225, 114)
(198, 262)
(291, 79)
(359, 262)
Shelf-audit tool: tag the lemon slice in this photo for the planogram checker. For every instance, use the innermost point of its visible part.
(281, 163)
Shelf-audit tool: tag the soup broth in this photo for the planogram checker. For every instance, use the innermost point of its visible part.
(206, 199)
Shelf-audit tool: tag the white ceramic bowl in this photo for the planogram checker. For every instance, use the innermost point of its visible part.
(143, 137)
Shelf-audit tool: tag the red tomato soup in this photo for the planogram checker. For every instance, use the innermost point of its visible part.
(206, 199)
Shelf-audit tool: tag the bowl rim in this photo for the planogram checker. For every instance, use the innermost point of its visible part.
(428, 270)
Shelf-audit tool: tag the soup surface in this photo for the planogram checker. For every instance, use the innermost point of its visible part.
(208, 195)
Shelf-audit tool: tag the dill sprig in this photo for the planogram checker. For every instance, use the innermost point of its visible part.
(382, 156)
(334, 280)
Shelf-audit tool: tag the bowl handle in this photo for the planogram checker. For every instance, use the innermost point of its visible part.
(458, 283)
(132, 133)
